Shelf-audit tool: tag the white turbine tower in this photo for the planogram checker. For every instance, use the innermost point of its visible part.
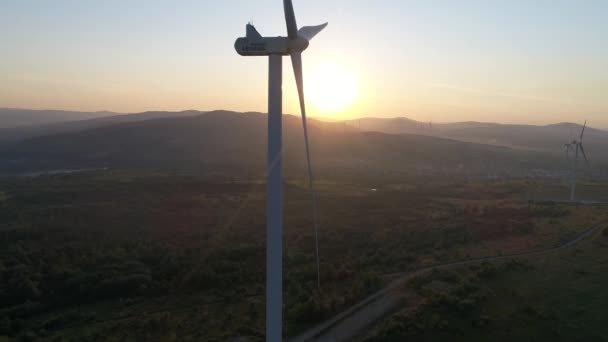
(276, 47)
(577, 145)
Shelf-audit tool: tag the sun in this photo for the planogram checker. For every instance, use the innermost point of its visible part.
(331, 89)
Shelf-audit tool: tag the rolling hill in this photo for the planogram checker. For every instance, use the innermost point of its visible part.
(13, 117)
(236, 143)
(548, 138)
(15, 134)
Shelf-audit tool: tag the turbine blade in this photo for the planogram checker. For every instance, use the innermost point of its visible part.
(296, 61)
(584, 154)
(309, 32)
(290, 19)
(583, 131)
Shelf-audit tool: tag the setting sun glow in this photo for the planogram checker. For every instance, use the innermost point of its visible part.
(331, 89)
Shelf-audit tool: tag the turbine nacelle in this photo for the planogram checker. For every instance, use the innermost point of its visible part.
(256, 45)
(267, 46)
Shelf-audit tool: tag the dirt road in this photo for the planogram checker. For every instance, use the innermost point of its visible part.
(350, 323)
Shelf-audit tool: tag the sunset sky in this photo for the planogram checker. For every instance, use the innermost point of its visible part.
(520, 61)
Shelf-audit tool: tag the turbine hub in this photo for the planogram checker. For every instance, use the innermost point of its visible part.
(298, 44)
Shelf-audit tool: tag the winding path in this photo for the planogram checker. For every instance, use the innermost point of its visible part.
(348, 324)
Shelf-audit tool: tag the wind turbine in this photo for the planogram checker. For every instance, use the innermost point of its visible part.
(577, 145)
(276, 47)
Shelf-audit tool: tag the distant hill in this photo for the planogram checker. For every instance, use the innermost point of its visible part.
(13, 117)
(387, 125)
(400, 125)
(236, 142)
(549, 138)
(14, 134)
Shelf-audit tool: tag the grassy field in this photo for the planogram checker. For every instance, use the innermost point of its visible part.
(586, 190)
(132, 255)
(558, 297)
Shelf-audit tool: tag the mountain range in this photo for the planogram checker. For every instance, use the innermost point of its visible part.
(230, 142)
(14, 117)
(547, 138)
(55, 122)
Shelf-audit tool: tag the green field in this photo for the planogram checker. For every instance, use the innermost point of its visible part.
(133, 255)
(557, 297)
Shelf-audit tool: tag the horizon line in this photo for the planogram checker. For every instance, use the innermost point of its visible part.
(325, 118)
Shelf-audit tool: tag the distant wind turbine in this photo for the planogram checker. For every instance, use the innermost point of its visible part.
(576, 145)
(276, 47)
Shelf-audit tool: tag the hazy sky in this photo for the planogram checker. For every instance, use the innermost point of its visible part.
(532, 61)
